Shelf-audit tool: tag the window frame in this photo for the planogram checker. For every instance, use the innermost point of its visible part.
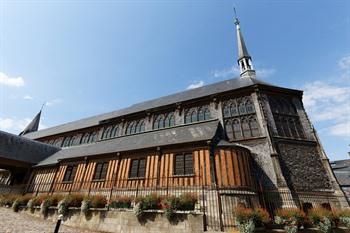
(72, 169)
(185, 167)
(103, 172)
(138, 175)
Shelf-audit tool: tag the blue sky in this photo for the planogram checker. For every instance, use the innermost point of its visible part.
(89, 57)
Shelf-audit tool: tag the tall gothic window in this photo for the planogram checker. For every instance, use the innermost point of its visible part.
(85, 138)
(114, 131)
(159, 122)
(106, 132)
(286, 117)
(170, 120)
(135, 127)
(196, 114)
(240, 119)
(140, 127)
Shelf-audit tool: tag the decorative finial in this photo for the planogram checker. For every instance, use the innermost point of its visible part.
(236, 18)
(42, 106)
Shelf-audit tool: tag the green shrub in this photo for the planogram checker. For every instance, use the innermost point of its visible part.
(291, 219)
(20, 201)
(8, 199)
(187, 201)
(120, 202)
(344, 217)
(74, 200)
(98, 201)
(261, 216)
(322, 219)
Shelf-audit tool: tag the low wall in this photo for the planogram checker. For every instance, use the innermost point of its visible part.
(126, 222)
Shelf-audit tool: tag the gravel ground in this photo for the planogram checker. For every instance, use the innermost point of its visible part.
(11, 222)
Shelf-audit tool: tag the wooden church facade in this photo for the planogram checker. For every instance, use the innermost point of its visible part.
(237, 141)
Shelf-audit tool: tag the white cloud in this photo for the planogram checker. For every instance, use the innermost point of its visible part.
(27, 97)
(53, 102)
(341, 129)
(6, 123)
(225, 73)
(11, 81)
(329, 103)
(344, 63)
(195, 85)
(265, 72)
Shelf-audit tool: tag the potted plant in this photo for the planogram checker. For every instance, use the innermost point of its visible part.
(322, 219)
(244, 219)
(291, 219)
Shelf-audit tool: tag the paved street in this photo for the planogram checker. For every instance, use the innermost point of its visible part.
(11, 222)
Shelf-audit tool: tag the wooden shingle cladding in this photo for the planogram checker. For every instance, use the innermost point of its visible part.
(232, 169)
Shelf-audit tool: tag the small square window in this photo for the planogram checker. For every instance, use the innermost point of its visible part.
(138, 168)
(183, 164)
(101, 171)
(70, 173)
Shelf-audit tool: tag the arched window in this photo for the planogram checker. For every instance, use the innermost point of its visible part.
(246, 128)
(106, 132)
(249, 107)
(200, 114)
(130, 129)
(292, 128)
(170, 120)
(300, 129)
(140, 127)
(93, 137)
(159, 122)
(74, 141)
(242, 109)
(234, 109)
(66, 141)
(188, 117)
(206, 113)
(194, 116)
(254, 128)
(237, 132)
(85, 138)
(227, 110)
(286, 130)
(229, 131)
(279, 126)
(114, 131)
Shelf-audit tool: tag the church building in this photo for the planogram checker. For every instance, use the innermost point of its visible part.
(241, 140)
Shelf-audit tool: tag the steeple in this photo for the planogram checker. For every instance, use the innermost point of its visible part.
(244, 59)
(33, 125)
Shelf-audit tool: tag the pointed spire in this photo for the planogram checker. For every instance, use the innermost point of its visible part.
(34, 124)
(244, 59)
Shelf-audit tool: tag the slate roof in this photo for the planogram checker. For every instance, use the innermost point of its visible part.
(219, 87)
(22, 149)
(341, 169)
(181, 134)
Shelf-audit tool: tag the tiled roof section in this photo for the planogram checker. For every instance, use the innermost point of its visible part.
(181, 134)
(220, 87)
(341, 169)
(22, 149)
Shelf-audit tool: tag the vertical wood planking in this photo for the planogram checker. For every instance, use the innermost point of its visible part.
(230, 171)
(236, 168)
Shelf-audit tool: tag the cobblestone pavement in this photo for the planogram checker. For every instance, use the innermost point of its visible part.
(11, 222)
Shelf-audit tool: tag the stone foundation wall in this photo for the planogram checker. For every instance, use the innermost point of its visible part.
(126, 221)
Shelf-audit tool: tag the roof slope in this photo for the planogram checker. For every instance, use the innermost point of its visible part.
(22, 149)
(181, 134)
(223, 86)
(341, 169)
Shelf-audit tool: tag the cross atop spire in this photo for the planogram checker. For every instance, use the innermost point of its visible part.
(244, 59)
